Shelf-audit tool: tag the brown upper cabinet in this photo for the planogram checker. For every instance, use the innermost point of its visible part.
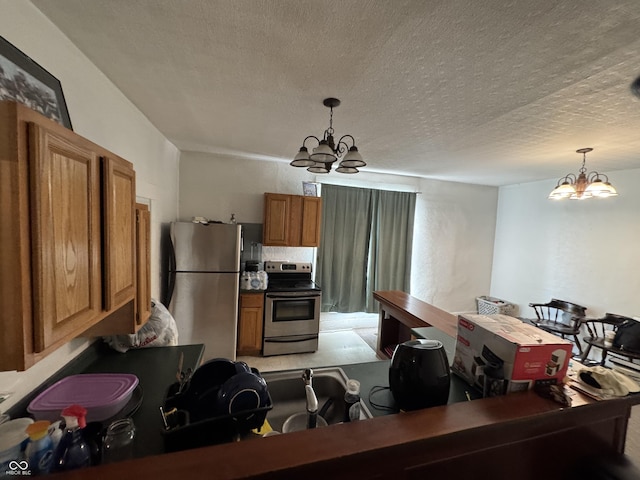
(119, 199)
(67, 236)
(291, 220)
(143, 262)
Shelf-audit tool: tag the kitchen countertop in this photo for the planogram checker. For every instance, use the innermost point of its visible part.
(499, 436)
(376, 374)
(155, 368)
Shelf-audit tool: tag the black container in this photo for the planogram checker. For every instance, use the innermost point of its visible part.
(419, 375)
(252, 266)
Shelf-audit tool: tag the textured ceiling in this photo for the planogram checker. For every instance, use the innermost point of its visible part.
(491, 92)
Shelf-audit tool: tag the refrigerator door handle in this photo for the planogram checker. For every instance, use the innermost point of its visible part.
(171, 274)
(171, 284)
(172, 257)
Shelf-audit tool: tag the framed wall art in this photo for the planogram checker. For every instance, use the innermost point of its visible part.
(310, 189)
(23, 80)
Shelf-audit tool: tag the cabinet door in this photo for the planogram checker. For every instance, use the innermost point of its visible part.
(65, 209)
(119, 231)
(250, 324)
(277, 213)
(311, 219)
(143, 259)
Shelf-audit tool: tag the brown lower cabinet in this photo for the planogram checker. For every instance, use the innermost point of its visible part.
(250, 323)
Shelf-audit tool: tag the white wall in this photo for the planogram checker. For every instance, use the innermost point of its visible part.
(585, 252)
(453, 244)
(99, 112)
(454, 226)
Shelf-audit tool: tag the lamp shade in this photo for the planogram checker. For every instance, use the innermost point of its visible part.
(598, 188)
(565, 190)
(320, 168)
(611, 192)
(302, 159)
(323, 153)
(342, 169)
(352, 159)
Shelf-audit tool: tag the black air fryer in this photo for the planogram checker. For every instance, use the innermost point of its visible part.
(419, 375)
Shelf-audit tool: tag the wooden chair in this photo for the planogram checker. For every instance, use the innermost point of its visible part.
(551, 318)
(596, 328)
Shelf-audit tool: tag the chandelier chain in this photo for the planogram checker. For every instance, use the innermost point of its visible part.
(583, 169)
(330, 129)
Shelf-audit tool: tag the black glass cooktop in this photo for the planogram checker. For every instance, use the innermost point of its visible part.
(292, 285)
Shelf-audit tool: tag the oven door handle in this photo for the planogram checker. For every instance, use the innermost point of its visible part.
(294, 339)
(298, 296)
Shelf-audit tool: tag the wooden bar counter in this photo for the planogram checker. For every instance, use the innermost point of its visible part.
(520, 435)
(400, 312)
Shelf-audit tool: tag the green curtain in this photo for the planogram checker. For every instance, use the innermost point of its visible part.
(344, 248)
(365, 245)
(390, 244)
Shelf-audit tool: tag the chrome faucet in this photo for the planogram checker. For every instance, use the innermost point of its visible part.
(307, 376)
(312, 400)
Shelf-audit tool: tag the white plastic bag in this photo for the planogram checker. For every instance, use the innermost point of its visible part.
(161, 330)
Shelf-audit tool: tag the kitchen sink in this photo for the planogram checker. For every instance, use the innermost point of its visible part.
(288, 395)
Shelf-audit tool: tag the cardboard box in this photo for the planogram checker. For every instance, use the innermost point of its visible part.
(501, 354)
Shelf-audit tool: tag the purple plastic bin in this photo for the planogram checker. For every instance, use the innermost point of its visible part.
(102, 394)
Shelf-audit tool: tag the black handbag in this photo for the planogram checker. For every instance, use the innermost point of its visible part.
(628, 336)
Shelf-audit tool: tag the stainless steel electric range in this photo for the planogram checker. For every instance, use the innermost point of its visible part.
(291, 309)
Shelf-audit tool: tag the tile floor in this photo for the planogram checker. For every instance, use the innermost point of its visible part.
(344, 338)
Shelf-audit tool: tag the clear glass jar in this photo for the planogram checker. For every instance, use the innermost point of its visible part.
(118, 441)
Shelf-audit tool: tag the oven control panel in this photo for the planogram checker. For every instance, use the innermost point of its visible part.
(272, 266)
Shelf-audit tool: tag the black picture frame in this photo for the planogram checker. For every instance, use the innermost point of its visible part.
(23, 80)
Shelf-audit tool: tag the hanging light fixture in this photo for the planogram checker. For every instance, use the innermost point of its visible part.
(635, 87)
(583, 185)
(327, 152)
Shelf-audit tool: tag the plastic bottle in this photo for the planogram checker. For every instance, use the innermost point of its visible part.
(73, 451)
(255, 280)
(352, 401)
(55, 432)
(39, 450)
(264, 279)
(245, 281)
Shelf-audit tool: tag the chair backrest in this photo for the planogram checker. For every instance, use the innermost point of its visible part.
(597, 326)
(554, 310)
(569, 307)
(546, 311)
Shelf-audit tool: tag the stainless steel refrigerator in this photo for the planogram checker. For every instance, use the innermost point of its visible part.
(203, 282)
